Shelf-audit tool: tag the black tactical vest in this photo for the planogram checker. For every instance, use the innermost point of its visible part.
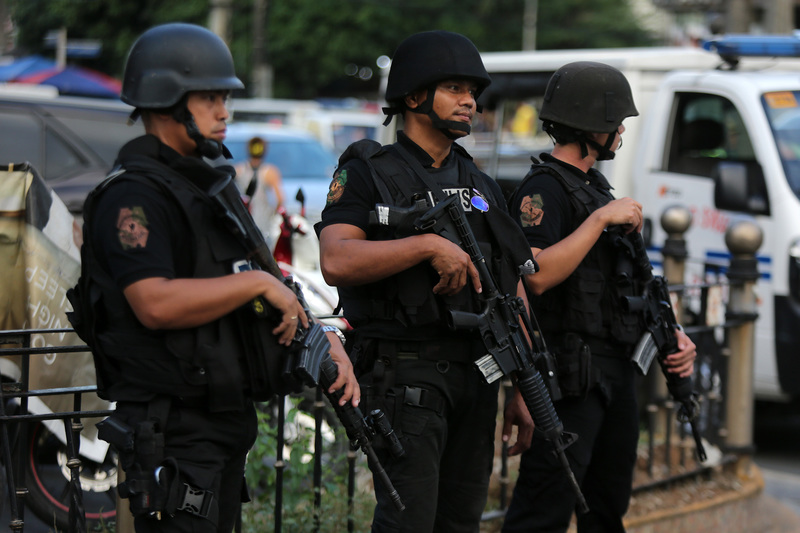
(388, 307)
(589, 301)
(200, 362)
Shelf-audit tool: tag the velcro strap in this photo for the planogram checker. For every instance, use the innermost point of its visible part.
(382, 310)
(424, 398)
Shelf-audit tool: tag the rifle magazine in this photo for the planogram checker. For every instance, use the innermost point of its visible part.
(489, 368)
(646, 350)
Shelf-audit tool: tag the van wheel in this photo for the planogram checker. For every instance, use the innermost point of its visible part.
(47, 479)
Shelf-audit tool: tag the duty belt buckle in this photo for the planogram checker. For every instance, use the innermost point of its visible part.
(196, 501)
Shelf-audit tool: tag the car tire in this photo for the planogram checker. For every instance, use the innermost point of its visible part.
(48, 477)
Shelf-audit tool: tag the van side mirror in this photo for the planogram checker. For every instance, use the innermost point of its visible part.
(740, 186)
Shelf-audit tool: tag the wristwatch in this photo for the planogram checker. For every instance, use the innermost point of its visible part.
(336, 330)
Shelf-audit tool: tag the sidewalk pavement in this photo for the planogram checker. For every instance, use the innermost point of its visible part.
(748, 510)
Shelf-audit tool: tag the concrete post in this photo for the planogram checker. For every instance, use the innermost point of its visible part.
(743, 238)
(675, 220)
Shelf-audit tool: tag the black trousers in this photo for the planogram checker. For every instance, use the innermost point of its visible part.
(444, 415)
(603, 459)
(210, 450)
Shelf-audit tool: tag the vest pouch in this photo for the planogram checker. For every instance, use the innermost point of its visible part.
(574, 361)
(362, 355)
(210, 354)
(145, 364)
(585, 297)
(511, 252)
(419, 305)
(625, 328)
(264, 357)
(183, 344)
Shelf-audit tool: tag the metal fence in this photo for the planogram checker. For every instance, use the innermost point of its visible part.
(667, 448)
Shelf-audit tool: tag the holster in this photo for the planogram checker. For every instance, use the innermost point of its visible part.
(153, 483)
(575, 373)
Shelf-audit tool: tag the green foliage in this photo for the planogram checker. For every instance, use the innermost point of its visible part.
(570, 24)
(298, 490)
(116, 23)
(309, 43)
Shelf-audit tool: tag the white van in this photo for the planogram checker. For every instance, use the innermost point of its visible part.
(732, 111)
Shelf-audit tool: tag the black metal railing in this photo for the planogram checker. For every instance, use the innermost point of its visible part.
(668, 452)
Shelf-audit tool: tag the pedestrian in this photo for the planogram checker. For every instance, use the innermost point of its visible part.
(169, 322)
(396, 290)
(565, 208)
(262, 186)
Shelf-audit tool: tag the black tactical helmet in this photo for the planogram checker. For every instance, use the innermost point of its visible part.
(433, 56)
(589, 97)
(423, 60)
(170, 60)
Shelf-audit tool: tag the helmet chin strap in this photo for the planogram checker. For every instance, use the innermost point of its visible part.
(445, 126)
(205, 147)
(604, 150)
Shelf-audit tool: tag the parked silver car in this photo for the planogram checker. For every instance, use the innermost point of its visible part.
(71, 141)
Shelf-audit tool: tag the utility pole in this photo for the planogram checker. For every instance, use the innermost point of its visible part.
(261, 75)
(219, 18)
(738, 16)
(529, 21)
(4, 24)
(779, 16)
(61, 48)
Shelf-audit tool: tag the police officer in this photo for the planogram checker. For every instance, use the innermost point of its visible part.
(565, 208)
(168, 320)
(396, 289)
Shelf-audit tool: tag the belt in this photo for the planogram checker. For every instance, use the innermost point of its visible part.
(190, 401)
(607, 348)
(462, 351)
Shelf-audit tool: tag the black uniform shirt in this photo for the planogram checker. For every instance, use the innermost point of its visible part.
(139, 232)
(542, 206)
(354, 194)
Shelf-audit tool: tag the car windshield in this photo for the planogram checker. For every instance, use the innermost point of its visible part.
(783, 112)
(294, 158)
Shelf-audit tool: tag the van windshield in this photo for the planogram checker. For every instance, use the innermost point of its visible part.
(783, 112)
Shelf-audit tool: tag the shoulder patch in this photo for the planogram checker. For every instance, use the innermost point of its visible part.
(531, 210)
(337, 187)
(132, 228)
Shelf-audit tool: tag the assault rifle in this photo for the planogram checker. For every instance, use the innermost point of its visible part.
(309, 362)
(310, 345)
(659, 318)
(509, 352)
(361, 430)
